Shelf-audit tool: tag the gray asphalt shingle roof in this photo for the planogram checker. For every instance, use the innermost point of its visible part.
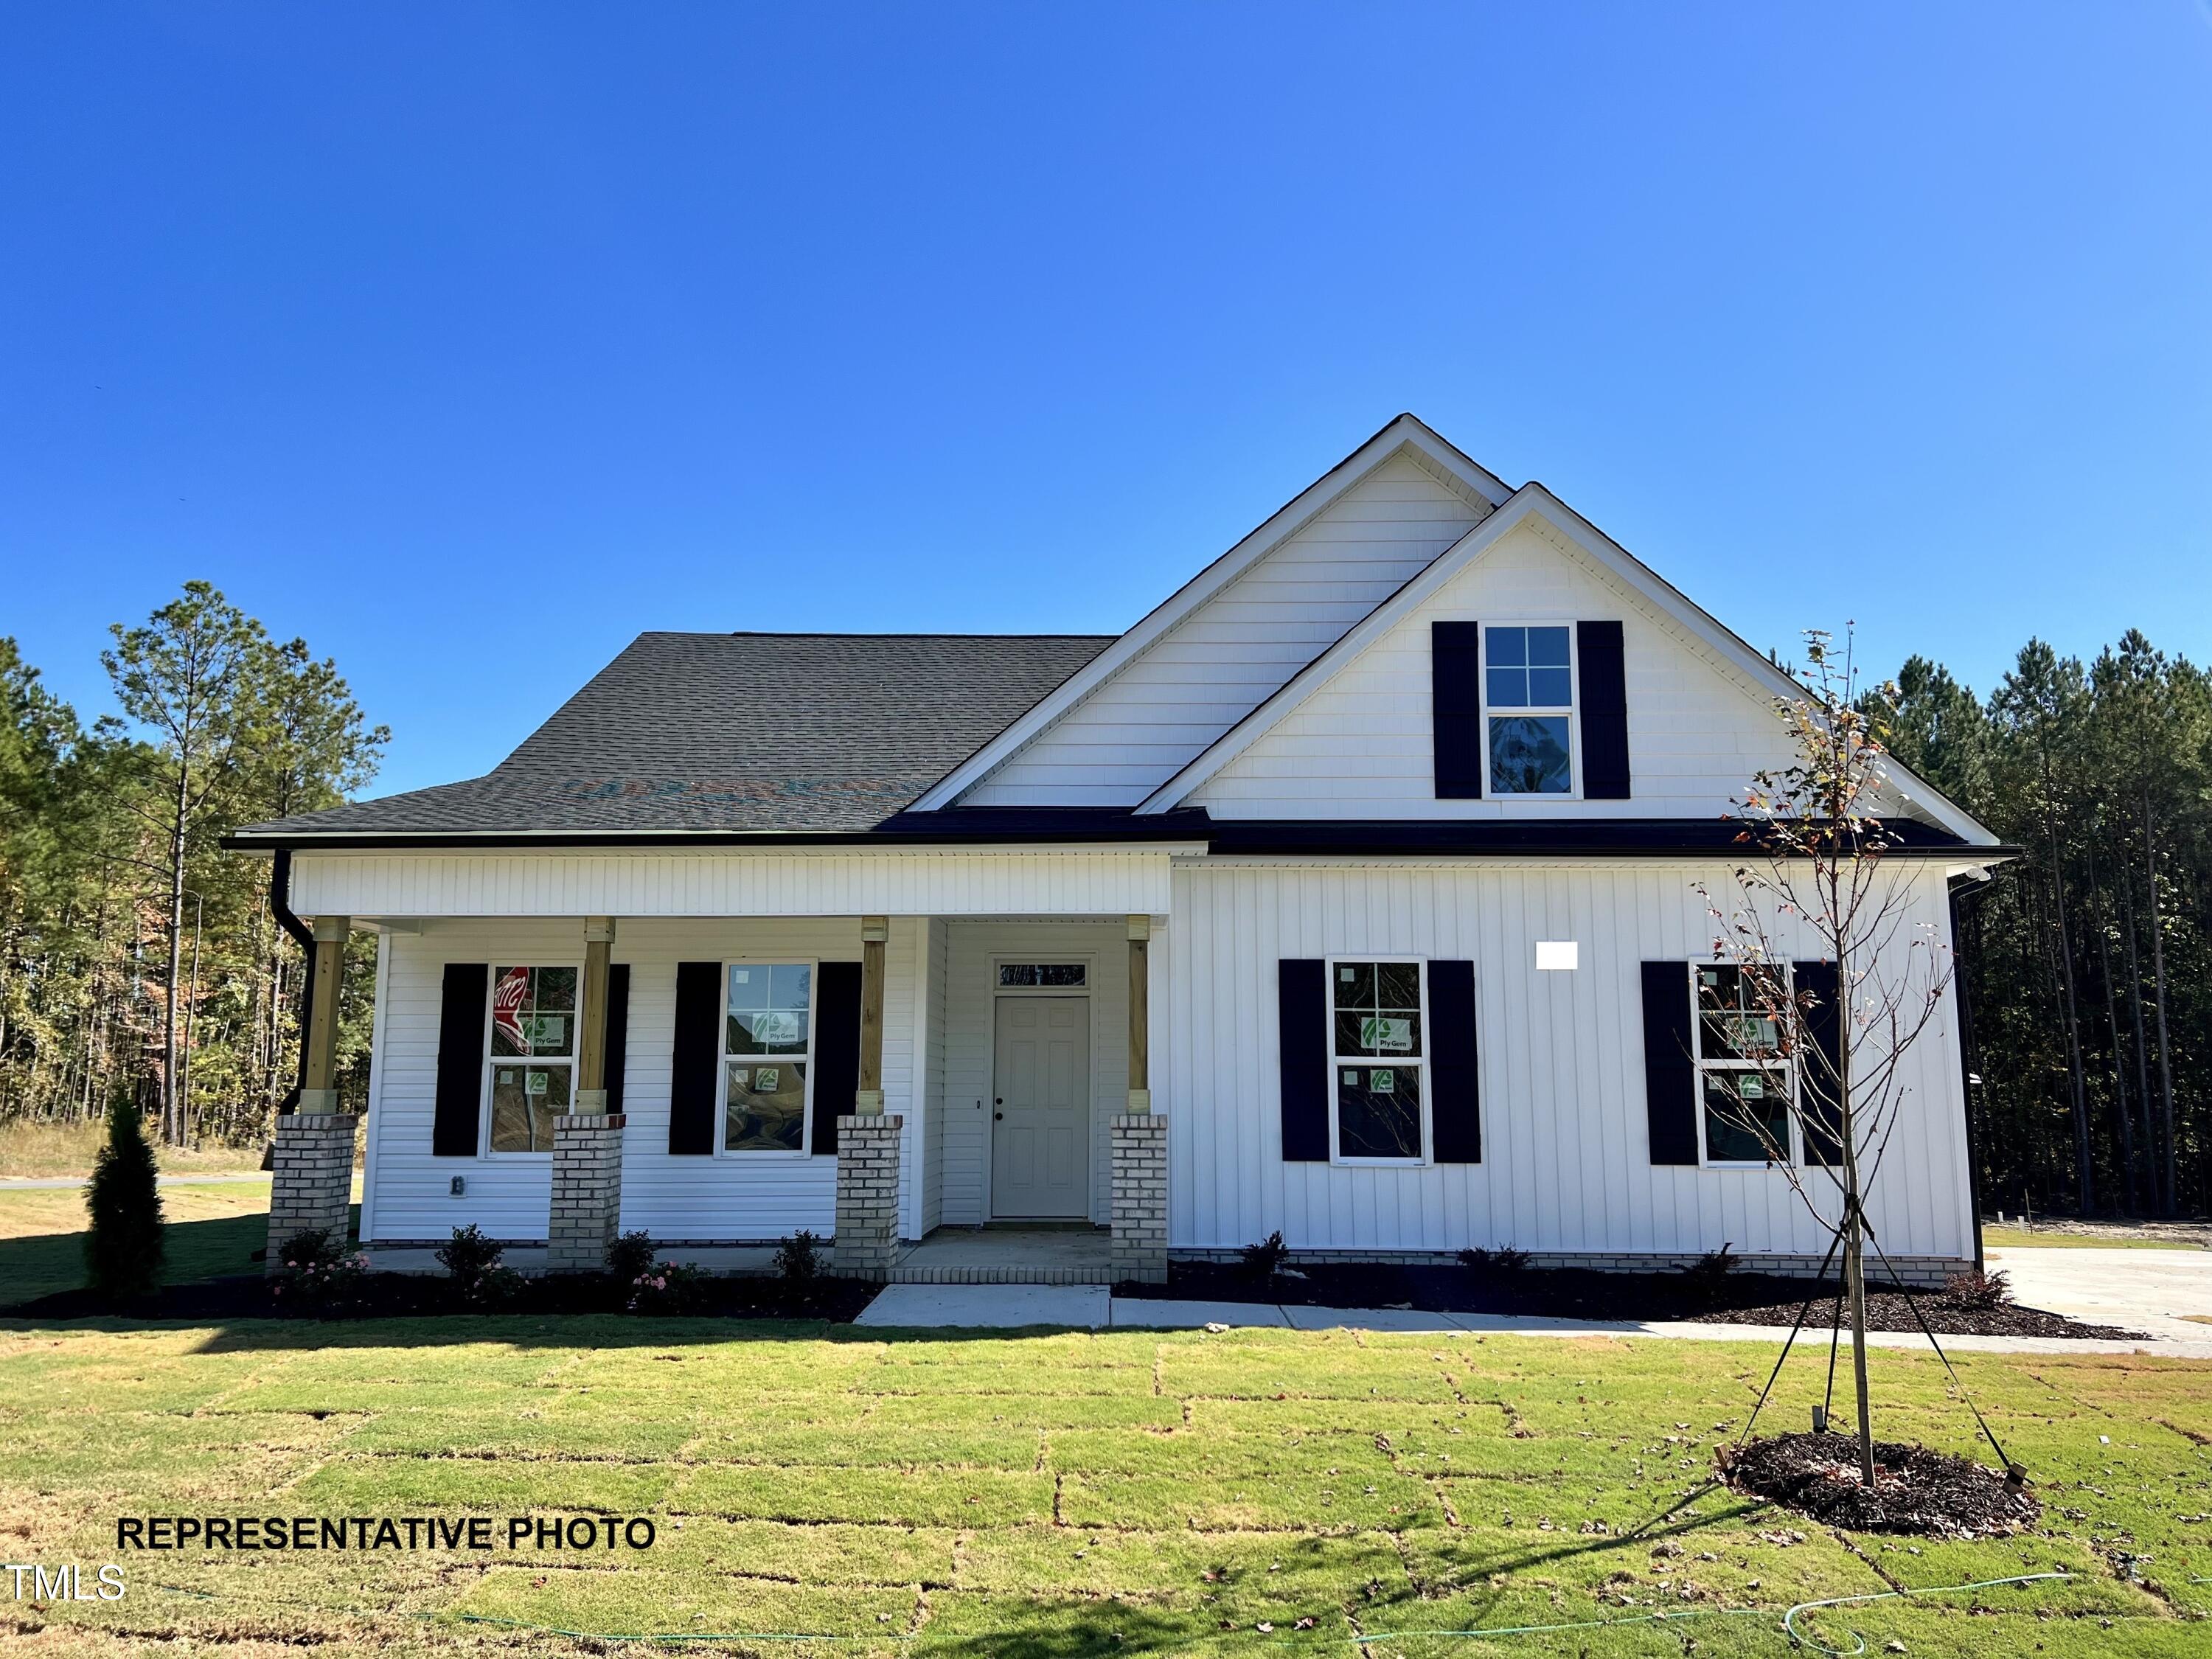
(742, 731)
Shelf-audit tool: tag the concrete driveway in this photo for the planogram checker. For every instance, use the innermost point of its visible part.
(2149, 1291)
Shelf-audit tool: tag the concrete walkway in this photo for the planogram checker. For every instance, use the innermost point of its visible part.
(1089, 1307)
(2141, 1290)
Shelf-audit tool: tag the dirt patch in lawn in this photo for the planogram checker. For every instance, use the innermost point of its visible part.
(1916, 1489)
(1740, 1298)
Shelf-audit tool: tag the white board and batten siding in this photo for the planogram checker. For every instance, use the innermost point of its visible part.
(1565, 1153)
(1240, 646)
(737, 1196)
(1363, 744)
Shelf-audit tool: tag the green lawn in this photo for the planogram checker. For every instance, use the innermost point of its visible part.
(2002, 1238)
(212, 1230)
(1032, 1496)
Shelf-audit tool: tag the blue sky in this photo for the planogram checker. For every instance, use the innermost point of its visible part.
(467, 341)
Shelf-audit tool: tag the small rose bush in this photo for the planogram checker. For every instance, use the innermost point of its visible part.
(321, 1277)
(667, 1287)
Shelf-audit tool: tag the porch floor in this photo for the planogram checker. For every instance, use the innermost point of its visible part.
(1008, 1255)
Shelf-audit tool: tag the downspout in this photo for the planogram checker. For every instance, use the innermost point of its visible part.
(1961, 887)
(280, 889)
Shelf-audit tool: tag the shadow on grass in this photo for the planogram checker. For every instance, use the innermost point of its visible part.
(194, 1252)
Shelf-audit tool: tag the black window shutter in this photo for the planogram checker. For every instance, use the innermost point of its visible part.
(1455, 1089)
(1602, 696)
(1455, 705)
(836, 1049)
(458, 1118)
(1302, 1019)
(1816, 1082)
(695, 1057)
(617, 1031)
(1670, 1076)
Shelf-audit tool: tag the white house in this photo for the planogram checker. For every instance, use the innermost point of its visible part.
(1349, 894)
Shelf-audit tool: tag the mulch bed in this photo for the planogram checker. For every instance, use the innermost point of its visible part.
(1742, 1298)
(1916, 1489)
(412, 1295)
(1890, 1310)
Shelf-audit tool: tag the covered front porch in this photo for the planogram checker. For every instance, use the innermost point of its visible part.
(955, 1096)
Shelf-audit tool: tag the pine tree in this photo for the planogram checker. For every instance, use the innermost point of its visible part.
(123, 1250)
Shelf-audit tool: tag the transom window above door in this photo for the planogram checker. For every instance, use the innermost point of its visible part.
(1528, 696)
(768, 1048)
(1041, 975)
(1377, 1049)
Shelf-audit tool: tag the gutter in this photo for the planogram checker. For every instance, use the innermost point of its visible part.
(280, 893)
(1219, 838)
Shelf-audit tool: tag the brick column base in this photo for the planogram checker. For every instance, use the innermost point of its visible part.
(586, 1206)
(313, 1184)
(1140, 1197)
(867, 1196)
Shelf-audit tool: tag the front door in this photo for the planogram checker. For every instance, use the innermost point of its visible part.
(1041, 1109)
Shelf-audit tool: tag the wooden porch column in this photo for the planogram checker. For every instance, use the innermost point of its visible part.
(868, 1099)
(591, 1039)
(319, 1091)
(1140, 1015)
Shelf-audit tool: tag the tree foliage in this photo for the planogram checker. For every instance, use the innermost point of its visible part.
(136, 954)
(2087, 962)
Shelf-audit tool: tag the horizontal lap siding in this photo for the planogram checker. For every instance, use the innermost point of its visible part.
(970, 1006)
(736, 883)
(1237, 650)
(671, 1197)
(1564, 1161)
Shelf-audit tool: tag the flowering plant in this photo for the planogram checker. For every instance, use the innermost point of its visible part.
(321, 1277)
(666, 1287)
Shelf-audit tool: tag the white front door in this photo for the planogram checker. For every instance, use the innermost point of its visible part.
(1041, 1109)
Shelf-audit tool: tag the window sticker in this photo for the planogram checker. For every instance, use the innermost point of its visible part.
(1352, 1079)
(741, 975)
(767, 1079)
(1387, 1036)
(1345, 976)
(538, 1083)
(776, 1026)
(1383, 1081)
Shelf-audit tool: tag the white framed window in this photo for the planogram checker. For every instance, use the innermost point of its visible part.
(1746, 1085)
(1529, 739)
(530, 1055)
(768, 1058)
(1378, 1097)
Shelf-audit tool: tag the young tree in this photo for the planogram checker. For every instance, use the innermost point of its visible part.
(179, 676)
(122, 1249)
(1824, 883)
